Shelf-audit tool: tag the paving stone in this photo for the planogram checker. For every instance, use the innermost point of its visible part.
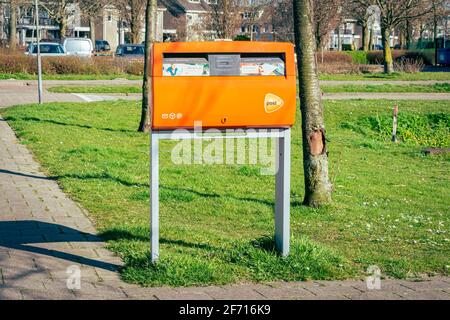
(10, 294)
(332, 289)
(233, 293)
(375, 295)
(326, 297)
(47, 294)
(280, 291)
(426, 285)
(102, 291)
(427, 295)
(183, 294)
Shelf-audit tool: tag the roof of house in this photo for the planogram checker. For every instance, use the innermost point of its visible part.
(184, 5)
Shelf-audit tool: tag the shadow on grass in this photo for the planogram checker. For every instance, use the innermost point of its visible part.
(117, 234)
(255, 260)
(107, 176)
(34, 119)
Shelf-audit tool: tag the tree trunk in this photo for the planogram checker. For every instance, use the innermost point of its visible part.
(365, 37)
(371, 39)
(136, 27)
(435, 31)
(62, 27)
(13, 25)
(147, 95)
(408, 35)
(420, 41)
(339, 38)
(315, 159)
(92, 27)
(387, 53)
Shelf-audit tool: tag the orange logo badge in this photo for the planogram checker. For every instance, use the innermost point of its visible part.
(272, 103)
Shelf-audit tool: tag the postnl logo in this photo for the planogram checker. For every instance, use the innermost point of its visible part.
(273, 103)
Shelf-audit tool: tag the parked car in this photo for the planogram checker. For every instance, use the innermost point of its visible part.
(102, 45)
(78, 47)
(130, 50)
(377, 47)
(50, 49)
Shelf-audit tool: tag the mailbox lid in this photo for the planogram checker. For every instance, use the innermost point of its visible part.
(224, 102)
(222, 48)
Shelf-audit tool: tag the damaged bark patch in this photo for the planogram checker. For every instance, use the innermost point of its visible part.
(317, 142)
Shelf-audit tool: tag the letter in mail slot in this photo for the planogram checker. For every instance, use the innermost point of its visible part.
(223, 85)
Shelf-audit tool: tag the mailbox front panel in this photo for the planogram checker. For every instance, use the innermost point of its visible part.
(223, 84)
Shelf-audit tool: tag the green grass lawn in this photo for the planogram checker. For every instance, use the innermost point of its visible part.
(27, 76)
(394, 76)
(370, 76)
(96, 89)
(391, 204)
(436, 88)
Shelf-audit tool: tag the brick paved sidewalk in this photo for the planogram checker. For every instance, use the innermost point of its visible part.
(43, 233)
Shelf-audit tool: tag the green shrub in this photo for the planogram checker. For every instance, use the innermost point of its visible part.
(377, 57)
(333, 57)
(432, 129)
(20, 63)
(242, 37)
(359, 57)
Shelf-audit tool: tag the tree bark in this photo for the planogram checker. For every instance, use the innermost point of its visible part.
(62, 27)
(315, 158)
(387, 53)
(136, 27)
(92, 28)
(435, 31)
(339, 38)
(408, 35)
(365, 37)
(13, 25)
(145, 124)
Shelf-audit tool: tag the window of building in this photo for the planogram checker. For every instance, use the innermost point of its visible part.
(194, 1)
(211, 1)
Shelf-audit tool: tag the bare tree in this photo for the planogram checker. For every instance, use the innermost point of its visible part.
(393, 13)
(224, 18)
(282, 20)
(151, 13)
(12, 24)
(252, 12)
(315, 159)
(327, 17)
(133, 11)
(91, 9)
(60, 11)
(361, 12)
(439, 12)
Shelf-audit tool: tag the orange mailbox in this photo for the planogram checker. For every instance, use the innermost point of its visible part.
(223, 84)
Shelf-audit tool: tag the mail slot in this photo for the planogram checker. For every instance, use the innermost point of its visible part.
(223, 84)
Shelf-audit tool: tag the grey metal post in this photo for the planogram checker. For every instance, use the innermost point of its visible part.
(282, 193)
(39, 62)
(154, 196)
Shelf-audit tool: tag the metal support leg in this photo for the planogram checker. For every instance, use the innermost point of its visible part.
(282, 193)
(154, 196)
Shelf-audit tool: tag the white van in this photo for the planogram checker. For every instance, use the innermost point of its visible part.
(78, 47)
